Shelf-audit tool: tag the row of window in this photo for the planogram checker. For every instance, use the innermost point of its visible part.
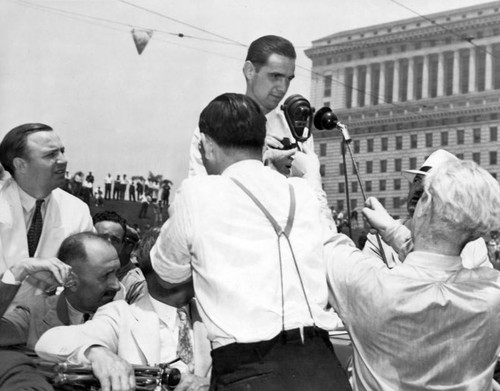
(382, 186)
(397, 202)
(430, 140)
(412, 163)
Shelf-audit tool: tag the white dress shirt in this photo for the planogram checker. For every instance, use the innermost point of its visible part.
(28, 203)
(426, 324)
(217, 234)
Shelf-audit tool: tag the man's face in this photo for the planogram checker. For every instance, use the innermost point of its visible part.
(269, 84)
(45, 161)
(97, 281)
(415, 193)
(112, 232)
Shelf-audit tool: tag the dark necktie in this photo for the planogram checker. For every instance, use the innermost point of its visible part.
(86, 317)
(35, 229)
(184, 345)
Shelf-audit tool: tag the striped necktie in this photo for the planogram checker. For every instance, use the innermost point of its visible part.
(35, 229)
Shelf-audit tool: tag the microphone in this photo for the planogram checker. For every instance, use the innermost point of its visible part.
(326, 119)
(298, 114)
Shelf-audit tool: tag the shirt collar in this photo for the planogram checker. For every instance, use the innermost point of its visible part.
(165, 312)
(433, 261)
(242, 166)
(28, 202)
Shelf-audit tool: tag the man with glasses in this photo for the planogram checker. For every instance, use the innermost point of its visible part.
(474, 254)
(113, 227)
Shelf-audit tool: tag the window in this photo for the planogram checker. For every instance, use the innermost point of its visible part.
(413, 163)
(368, 185)
(397, 165)
(476, 156)
(328, 86)
(396, 202)
(385, 143)
(444, 138)
(382, 185)
(460, 156)
(476, 135)
(357, 146)
(428, 140)
(354, 187)
(341, 169)
(340, 205)
(369, 146)
(383, 166)
(322, 149)
(341, 187)
(355, 167)
(493, 133)
(354, 204)
(460, 136)
(382, 201)
(397, 184)
(413, 141)
(493, 157)
(322, 169)
(369, 167)
(399, 142)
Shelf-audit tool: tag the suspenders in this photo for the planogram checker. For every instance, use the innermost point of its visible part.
(280, 233)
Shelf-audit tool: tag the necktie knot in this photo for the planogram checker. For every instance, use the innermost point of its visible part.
(35, 229)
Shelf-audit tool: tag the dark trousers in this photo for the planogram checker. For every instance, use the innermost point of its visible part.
(282, 363)
(107, 191)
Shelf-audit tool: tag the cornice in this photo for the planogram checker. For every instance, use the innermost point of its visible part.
(423, 33)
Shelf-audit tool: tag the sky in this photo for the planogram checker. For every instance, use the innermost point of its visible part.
(73, 65)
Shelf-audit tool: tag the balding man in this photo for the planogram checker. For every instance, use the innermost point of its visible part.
(93, 263)
(35, 216)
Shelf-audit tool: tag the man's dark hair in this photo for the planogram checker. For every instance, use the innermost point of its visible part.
(143, 258)
(234, 121)
(260, 49)
(14, 144)
(110, 215)
(73, 250)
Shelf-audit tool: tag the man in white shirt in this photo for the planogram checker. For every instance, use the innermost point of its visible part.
(428, 323)
(35, 215)
(263, 298)
(162, 326)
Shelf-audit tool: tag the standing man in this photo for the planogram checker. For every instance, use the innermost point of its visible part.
(269, 69)
(259, 278)
(429, 323)
(107, 187)
(35, 215)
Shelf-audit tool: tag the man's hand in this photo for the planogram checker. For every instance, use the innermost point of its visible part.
(306, 165)
(190, 382)
(113, 372)
(377, 215)
(50, 271)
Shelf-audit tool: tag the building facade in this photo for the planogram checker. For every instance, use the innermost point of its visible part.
(405, 89)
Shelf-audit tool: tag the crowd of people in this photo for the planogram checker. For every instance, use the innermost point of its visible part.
(242, 285)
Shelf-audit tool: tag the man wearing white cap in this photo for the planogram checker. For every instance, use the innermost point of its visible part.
(474, 254)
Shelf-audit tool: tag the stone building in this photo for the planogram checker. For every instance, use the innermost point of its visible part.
(405, 89)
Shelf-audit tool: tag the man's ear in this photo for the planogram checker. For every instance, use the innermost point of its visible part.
(208, 146)
(249, 70)
(76, 284)
(20, 164)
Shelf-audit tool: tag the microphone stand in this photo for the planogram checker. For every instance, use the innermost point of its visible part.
(346, 180)
(346, 140)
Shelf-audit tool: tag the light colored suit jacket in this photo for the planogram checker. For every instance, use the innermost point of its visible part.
(131, 331)
(65, 215)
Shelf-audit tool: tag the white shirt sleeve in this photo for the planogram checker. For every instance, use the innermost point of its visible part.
(170, 256)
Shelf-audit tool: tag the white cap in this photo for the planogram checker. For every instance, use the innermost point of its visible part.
(435, 159)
